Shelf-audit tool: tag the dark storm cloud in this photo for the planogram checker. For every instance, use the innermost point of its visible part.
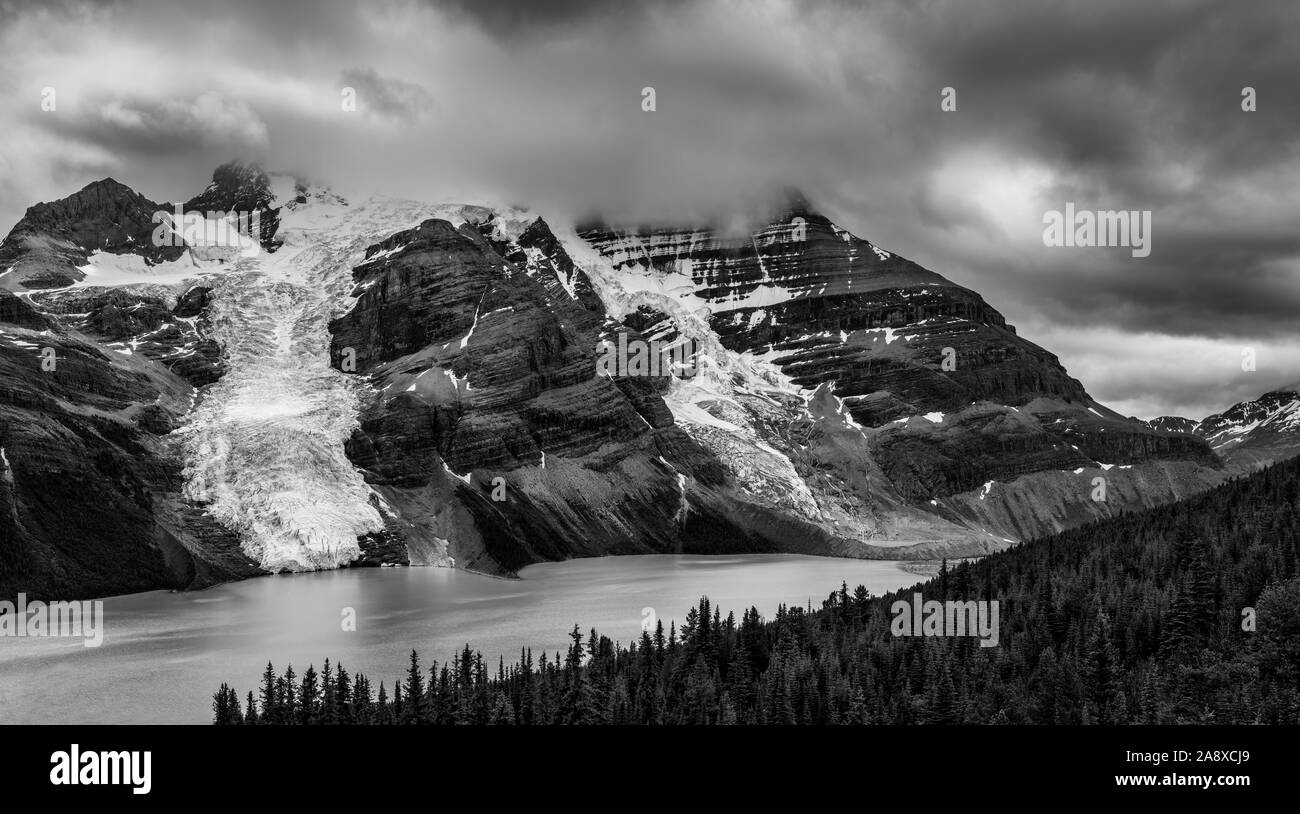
(1125, 106)
(150, 127)
(511, 18)
(387, 96)
(1106, 104)
(1115, 93)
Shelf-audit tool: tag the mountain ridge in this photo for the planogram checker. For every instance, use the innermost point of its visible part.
(1249, 434)
(458, 343)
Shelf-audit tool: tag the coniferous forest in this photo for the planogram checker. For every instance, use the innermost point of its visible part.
(1188, 613)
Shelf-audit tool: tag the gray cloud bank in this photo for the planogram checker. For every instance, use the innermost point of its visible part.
(1109, 105)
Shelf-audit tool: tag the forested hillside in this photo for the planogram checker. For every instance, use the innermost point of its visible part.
(1138, 619)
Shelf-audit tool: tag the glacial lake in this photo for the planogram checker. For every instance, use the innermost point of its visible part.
(164, 653)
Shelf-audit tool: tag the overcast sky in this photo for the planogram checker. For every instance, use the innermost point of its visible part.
(1109, 105)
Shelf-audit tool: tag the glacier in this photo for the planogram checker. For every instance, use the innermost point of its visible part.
(264, 446)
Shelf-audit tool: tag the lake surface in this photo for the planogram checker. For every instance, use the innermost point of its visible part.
(164, 653)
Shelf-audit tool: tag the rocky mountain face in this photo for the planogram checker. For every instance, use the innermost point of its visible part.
(238, 187)
(46, 247)
(390, 382)
(1172, 423)
(95, 379)
(492, 437)
(827, 306)
(1250, 434)
(52, 245)
(959, 417)
(90, 500)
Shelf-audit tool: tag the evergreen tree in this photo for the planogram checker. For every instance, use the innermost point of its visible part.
(250, 711)
(329, 710)
(383, 710)
(1103, 678)
(413, 708)
(270, 705)
(309, 697)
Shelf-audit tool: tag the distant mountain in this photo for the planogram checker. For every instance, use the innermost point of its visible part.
(46, 247)
(52, 244)
(392, 382)
(1249, 434)
(1173, 423)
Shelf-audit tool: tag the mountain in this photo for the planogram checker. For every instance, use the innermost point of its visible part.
(1172, 423)
(46, 247)
(104, 348)
(1249, 434)
(950, 411)
(239, 187)
(52, 244)
(391, 382)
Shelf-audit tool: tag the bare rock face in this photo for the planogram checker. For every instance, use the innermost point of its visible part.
(1172, 423)
(50, 245)
(482, 354)
(16, 311)
(246, 188)
(986, 443)
(946, 395)
(159, 326)
(45, 248)
(88, 494)
(828, 306)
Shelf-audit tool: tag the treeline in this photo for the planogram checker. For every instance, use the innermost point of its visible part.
(1187, 613)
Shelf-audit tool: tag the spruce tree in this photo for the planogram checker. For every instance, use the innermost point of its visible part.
(413, 704)
(1102, 679)
(309, 698)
